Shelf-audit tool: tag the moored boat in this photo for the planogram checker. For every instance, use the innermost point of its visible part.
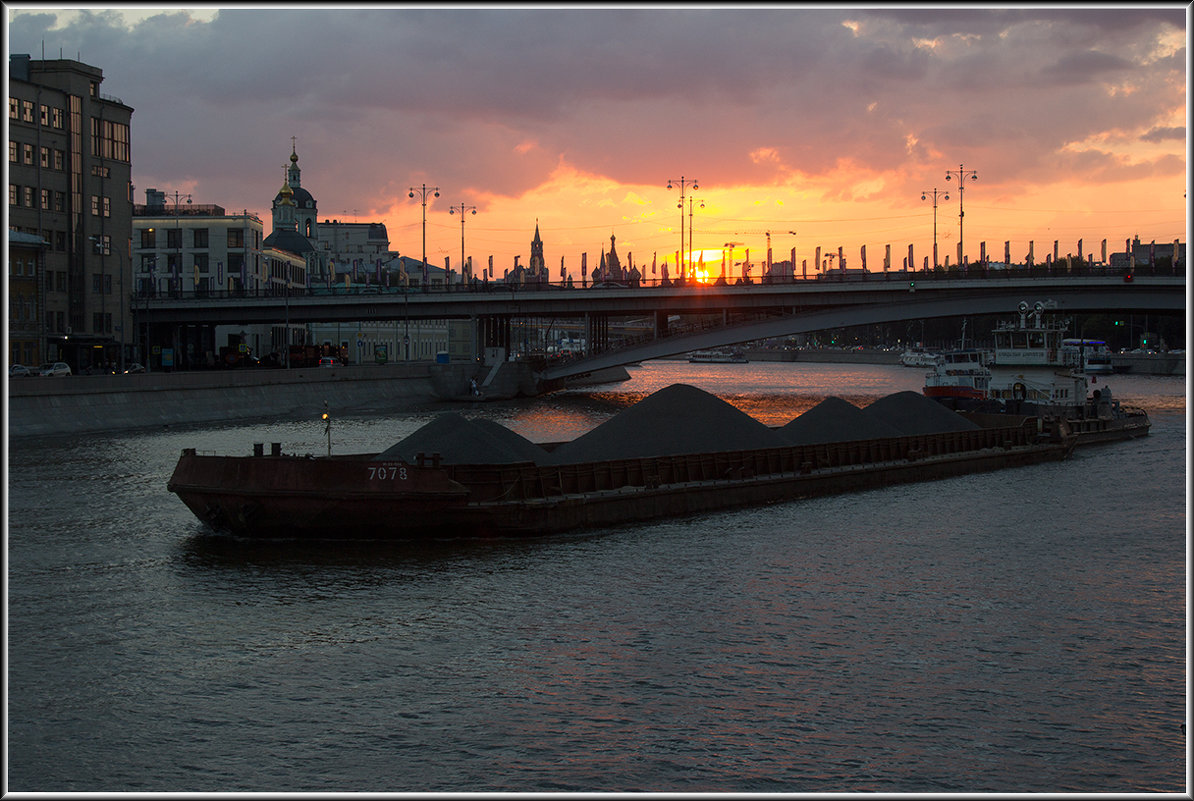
(959, 375)
(918, 357)
(717, 357)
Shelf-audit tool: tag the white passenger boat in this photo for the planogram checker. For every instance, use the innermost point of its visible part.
(717, 357)
(1093, 354)
(918, 357)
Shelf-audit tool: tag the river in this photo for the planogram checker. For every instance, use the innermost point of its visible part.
(1018, 631)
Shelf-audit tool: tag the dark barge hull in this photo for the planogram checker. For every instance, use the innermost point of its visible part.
(359, 497)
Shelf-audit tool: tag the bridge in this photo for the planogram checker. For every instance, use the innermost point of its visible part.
(727, 314)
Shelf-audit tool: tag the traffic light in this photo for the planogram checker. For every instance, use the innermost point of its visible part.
(1128, 277)
(911, 286)
(1119, 322)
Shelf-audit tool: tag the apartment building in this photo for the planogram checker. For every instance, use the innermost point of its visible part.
(69, 158)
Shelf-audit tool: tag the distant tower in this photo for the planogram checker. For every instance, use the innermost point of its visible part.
(537, 266)
(285, 235)
(613, 267)
(305, 209)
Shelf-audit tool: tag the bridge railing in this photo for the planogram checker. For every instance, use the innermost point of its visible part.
(972, 271)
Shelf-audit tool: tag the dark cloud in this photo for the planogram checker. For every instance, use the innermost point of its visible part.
(490, 100)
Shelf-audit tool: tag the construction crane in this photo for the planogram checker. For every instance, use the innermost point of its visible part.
(768, 235)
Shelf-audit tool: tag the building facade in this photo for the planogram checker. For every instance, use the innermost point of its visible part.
(26, 266)
(70, 184)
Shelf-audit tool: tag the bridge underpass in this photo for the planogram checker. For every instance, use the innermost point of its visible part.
(917, 306)
(773, 310)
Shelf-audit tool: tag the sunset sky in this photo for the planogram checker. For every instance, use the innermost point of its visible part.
(827, 121)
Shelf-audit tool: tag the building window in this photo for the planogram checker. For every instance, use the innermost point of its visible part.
(45, 199)
(201, 262)
(109, 140)
(45, 158)
(13, 194)
(28, 152)
(200, 237)
(97, 283)
(148, 238)
(59, 201)
(95, 205)
(45, 114)
(29, 197)
(173, 238)
(14, 108)
(236, 238)
(60, 240)
(27, 111)
(13, 152)
(60, 159)
(107, 206)
(60, 284)
(56, 118)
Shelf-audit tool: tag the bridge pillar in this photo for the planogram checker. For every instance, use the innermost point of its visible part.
(495, 331)
(660, 324)
(598, 333)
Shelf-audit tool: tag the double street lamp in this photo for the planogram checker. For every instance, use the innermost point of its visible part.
(423, 190)
(683, 182)
(178, 197)
(925, 196)
(962, 175)
(462, 209)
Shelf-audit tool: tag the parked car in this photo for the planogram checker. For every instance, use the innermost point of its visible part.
(134, 367)
(55, 369)
(329, 361)
(19, 370)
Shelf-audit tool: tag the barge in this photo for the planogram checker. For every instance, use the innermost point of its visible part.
(370, 496)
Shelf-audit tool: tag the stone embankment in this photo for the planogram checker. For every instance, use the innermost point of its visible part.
(95, 404)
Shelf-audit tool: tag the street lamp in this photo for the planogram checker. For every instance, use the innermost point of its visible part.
(462, 209)
(682, 182)
(690, 201)
(423, 189)
(178, 197)
(925, 196)
(962, 176)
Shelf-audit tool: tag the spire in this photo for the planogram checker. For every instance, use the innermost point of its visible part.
(292, 176)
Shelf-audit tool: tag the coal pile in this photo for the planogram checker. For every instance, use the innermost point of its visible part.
(459, 440)
(913, 413)
(836, 420)
(677, 419)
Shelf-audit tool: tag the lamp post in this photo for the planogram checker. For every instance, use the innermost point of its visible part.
(925, 196)
(178, 198)
(462, 209)
(962, 176)
(690, 202)
(683, 182)
(423, 189)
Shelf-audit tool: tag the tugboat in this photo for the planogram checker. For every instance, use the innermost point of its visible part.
(1031, 372)
(960, 376)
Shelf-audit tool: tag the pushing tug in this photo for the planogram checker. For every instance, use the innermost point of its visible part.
(1034, 370)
